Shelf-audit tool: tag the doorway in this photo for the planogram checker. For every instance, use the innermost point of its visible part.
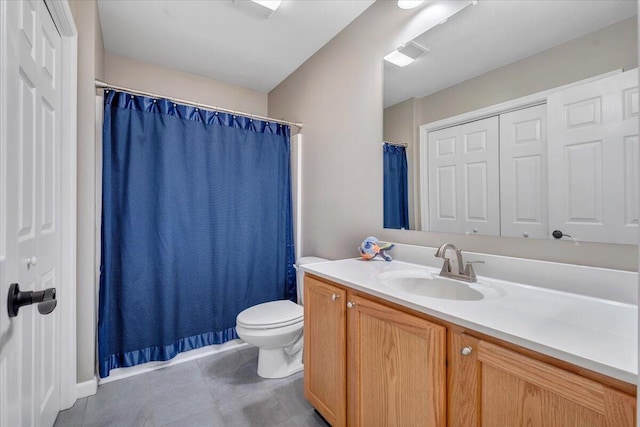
(37, 218)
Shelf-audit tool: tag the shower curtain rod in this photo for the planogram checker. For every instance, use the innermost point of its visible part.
(399, 144)
(104, 85)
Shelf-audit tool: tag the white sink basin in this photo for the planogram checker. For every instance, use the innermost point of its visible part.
(425, 283)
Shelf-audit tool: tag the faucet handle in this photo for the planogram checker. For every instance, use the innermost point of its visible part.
(446, 267)
(468, 270)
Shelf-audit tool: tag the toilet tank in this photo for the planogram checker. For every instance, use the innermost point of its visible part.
(300, 275)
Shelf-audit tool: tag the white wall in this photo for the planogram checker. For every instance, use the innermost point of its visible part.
(337, 93)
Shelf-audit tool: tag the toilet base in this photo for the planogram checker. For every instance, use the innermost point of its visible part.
(274, 363)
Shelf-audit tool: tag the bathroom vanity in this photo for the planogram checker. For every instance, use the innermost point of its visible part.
(385, 346)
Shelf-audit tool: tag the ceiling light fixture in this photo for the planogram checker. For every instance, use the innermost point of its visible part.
(260, 8)
(269, 4)
(406, 54)
(409, 4)
(399, 59)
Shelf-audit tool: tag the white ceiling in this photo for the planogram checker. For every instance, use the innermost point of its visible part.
(495, 33)
(223, 40)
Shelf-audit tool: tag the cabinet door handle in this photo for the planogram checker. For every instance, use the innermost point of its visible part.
(335, 297)
(466, 351)
(351, 304)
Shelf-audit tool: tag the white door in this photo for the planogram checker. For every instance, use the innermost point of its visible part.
(30, 239)
(593, 160)
(463, 178)
(523, 173)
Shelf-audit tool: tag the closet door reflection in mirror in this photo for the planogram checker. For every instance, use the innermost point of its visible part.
(535, 169)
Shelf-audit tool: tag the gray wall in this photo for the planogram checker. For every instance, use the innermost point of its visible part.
(596, 53)
(152, 78)
(90, 67)
(337, 93)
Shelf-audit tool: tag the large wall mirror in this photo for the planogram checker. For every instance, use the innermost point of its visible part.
(517, 118)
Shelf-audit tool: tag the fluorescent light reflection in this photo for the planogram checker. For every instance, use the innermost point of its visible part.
(399, 59)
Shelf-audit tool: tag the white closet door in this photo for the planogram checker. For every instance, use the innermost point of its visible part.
(523, 173)
(463, 178)
(480, 177)
(444, 163)
(593, 160)
(31, 117)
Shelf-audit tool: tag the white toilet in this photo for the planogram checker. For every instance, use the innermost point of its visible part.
(276, 329)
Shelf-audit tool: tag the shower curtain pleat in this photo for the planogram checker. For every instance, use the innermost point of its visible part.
(196, 226)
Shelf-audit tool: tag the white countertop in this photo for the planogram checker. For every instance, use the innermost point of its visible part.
(597, 334)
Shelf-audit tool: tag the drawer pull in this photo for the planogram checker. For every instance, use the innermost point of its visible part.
(466, 351)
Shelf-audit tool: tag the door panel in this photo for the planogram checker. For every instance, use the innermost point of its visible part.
(27, 156)
(583, 185)
(631, 180)
(29, 392)
(463, 178)
(593, 160)
(480, 197)
(476, 192)
(443, 176)
(523, 169)
(46, 359)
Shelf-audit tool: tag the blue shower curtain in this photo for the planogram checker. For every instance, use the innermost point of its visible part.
(396, 194)
(196, 226)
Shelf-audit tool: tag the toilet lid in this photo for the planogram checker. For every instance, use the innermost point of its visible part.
(271, 314)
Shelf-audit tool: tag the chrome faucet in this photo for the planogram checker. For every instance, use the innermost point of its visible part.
(468, 275)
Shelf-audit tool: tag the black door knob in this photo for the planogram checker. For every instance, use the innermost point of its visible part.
(46, 300)
(558, 234)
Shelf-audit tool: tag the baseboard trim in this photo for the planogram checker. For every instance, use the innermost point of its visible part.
(87, 388)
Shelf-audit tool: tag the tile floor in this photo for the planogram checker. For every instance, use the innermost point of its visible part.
(218, 390)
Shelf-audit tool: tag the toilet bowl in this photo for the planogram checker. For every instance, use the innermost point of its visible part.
(275, 327)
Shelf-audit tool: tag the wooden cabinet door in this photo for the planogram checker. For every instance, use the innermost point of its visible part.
(463, 381)
(397, 369)
(325, 350)
(496, 387)
(519, 390)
